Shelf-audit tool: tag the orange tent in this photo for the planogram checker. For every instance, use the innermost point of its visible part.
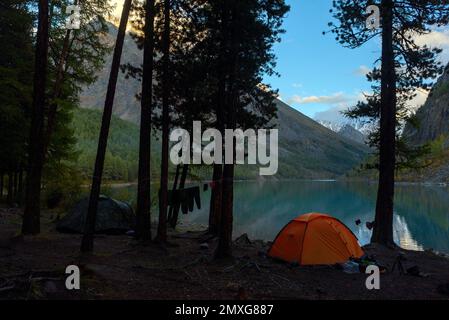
(315, 238)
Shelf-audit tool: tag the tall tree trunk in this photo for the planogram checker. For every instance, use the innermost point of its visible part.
(383, 226)
(20, 188)
(215, 213)
(89, 230)
(163, 201)
(224, 248)
(144, 179)
(215, 202)
(15, 185)
(175, 187)
(1, 185)
(10, 197)
(182, 183)
(57, 88)
(31, 216)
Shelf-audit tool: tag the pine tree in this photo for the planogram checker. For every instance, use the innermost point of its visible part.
(16, 69)
(89, 230)
(144, 176)
(31, 216)
(163, 201)
(405, 67)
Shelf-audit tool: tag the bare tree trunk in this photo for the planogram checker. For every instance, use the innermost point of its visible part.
(31, 216)
(89, 230)
(224, 248)
(383, 226)
(57, 87)
(15, 185)
(1, 185)
(144, 182)
(163, 201)
(215, 202)
(182, 183)
(20, 188)
(10, 197)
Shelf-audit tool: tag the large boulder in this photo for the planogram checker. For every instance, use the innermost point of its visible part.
(113, 217)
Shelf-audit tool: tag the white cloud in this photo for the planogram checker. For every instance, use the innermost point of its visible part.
(297, 85)
(334, 113)
(362, 71)
(438, 38)
(336, 98)
(419, 100)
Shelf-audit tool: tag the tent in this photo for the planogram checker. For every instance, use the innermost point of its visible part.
(315, 239)
(113, 217)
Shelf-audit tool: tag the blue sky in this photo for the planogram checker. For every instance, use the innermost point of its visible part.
(319, 77)
(313, 65)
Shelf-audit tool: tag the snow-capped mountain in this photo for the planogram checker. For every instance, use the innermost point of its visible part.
(364, 128)
(350, 129)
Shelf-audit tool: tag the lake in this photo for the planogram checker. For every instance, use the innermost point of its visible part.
(261, 209)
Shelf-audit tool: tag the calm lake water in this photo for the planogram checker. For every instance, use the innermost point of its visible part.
(261, 209)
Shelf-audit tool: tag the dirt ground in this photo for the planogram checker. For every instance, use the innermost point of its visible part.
(33, 267)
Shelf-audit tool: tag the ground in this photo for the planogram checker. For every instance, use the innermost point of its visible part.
(32, 267)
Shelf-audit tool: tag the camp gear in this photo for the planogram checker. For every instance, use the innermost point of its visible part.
(185, 198)
(113, 217)
(315, 239)
(351, 267)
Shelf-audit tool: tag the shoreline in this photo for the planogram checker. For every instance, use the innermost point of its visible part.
(115, 185)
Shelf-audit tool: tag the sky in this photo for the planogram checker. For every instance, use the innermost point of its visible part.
(318, 76)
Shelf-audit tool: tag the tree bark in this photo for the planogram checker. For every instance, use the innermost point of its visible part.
(163, 201)
(215, 202)
(31, 216)
(383, 225)
(1, 186)
(224, 248)
(10, 197)
(144, 179)
(15, 185)
(57, 87)
(89, 230)
(20, 188)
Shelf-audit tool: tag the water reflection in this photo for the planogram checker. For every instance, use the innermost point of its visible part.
(262, 208)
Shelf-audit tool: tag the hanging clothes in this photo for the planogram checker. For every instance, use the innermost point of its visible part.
(185, 198)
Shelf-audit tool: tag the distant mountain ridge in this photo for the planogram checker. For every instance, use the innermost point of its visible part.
(350, 130)
(306, 148)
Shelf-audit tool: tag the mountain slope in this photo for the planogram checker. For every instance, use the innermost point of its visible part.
(312, 150)
(126, 105)
(123, 145)
(352, 133)
(433, 116)
(307, 149)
